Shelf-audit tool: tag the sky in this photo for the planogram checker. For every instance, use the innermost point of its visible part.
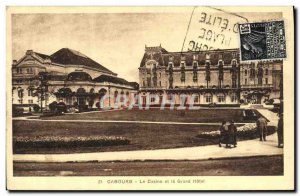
(117, 40)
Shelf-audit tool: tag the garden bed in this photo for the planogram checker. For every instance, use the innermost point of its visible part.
(69, 142)
(245, 132)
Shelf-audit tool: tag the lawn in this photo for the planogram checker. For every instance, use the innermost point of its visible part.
(142, 136)
(157, 115)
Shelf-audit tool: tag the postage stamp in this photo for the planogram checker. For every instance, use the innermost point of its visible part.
(263, 40)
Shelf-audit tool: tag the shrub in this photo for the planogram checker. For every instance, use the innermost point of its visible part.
(17, 111)
(60, 141)
(36, 108)
(53, 106)
(75, 104)
(61, 107)
(98, 105)
(91, 103)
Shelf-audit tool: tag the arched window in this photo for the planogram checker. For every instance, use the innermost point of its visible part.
(81, 91)
(266, 72)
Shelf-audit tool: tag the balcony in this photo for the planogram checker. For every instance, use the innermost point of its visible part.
(258, 86)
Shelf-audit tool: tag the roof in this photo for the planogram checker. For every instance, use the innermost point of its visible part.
(79, 76)
(43, 56)
(68, 56)
(112, 79)
(163, 57)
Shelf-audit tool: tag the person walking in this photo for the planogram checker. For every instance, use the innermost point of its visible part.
(233, 133)
(261, 124)
(223, 134)
(280, 131)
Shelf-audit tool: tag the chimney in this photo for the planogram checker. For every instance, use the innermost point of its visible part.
(14, 62)
(29, 52)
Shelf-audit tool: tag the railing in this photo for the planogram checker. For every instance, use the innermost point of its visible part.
(257, 86)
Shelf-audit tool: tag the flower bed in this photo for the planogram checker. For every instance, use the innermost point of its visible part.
(247, 130)
(56, 141)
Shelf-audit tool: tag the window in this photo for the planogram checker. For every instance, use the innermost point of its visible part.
(152, 99)
(19, 70)
(144, 83)
(246, 72)
(266, 80)
(252, 73)
(160, 75)
(233, 98)
(266, 71)
(30, 92)
(246, 81)
(182, 64)
(195, 64)
(30, 101)
(69, 101)
(196, 100)
(221, 98)
(159, 83)
(20, 93)
(208, 99)
(144, 100)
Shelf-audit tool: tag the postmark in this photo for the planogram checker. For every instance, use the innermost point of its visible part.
(212, 28)
(262, 40)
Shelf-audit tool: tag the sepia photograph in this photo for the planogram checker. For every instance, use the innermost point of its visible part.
(150, 98)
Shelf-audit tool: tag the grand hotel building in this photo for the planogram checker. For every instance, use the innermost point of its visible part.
(72, 78)
(215, 76)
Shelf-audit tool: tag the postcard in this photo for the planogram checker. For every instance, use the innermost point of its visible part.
(150, 98)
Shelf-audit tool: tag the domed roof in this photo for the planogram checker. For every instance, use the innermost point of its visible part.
(79, 76)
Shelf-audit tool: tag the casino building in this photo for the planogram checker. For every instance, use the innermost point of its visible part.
(214, 76)
(73, 78)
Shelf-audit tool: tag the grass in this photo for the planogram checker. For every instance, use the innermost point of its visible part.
(141, 136)
(246, 166)
(157, 115)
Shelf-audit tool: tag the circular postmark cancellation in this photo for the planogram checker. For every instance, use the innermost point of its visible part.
(262, 40)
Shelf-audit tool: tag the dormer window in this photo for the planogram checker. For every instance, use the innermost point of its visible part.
(234, 62)
(220, 55)
(195, 57)
(221, 63)
(207, 56)
(182, 64)
(182, 58)
(195, 64)
(170, 64)
(234, 55)
(170, 58)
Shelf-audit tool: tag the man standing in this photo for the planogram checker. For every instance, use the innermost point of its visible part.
(233, 133)
(223, 134)
(261, 124)
(280, 131)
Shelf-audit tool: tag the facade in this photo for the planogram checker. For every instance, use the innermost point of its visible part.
(72, 78)
(205, 77)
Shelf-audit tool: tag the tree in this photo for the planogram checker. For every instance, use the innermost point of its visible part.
(42, 90)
